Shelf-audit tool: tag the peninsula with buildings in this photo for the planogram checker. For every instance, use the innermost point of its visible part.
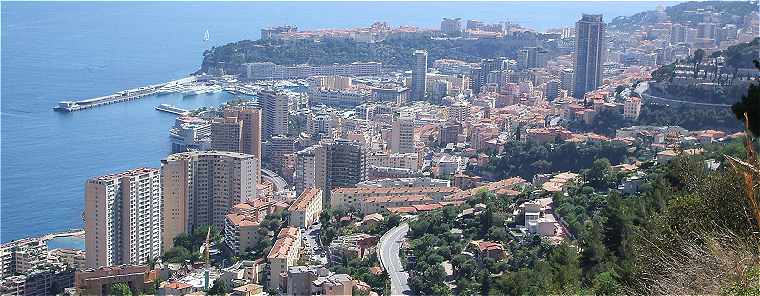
(471, 158)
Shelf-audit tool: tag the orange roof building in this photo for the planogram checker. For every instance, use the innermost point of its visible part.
(283, 255)
(306, 209)
(381, 197)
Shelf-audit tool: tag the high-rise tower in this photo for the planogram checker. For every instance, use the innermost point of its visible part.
(589, 51)
(418, 75)
(123, 218)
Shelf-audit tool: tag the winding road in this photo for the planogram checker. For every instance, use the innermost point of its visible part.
(666, 100)
(389, 247)
(643, 87)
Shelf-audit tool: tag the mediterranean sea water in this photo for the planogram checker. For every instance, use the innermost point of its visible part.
(52, 51)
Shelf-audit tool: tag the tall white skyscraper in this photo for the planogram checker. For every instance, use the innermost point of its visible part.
(402, 135)
(589, 51)
(418, 75)
(274, 117)
(123, 218)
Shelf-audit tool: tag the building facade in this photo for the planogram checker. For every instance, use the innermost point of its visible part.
(632, 108)
(306, 209)
(418, 75)
(268, 70)
(201, 187)
(347, 163)
(402, 135)
(355, 197)
(123, 218)
(99, 281)
(451, 26)
(241, 232)
(589, 53)
(283, 255)
(275, 114)
(311, 168)
(21, 256)
(330, 164)
(226, 133)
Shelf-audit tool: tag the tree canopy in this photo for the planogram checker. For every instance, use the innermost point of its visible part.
(120, 289)
(392, 52)
(750, 104)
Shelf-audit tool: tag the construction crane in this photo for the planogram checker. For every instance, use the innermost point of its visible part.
(206, 247)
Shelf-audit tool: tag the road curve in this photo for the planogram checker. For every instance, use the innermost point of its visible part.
(389, 247)
(278, 182)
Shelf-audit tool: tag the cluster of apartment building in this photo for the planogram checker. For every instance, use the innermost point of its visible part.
(131, 217)
(376, 32)
(367, 143)
(27, 267)
(269, 70)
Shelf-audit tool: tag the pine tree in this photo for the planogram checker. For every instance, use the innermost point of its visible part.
(750, 105)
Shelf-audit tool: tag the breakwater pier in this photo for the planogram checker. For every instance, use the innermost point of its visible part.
(117, 97)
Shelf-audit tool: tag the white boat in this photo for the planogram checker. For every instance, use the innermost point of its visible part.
(171, 109)
(206, 36)
(215, 88)
(202, 89)
(171, 88)
(192, 90)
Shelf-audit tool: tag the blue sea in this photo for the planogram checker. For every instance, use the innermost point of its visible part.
(52, 51)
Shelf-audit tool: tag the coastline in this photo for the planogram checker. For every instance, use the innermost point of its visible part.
(76, 233)
(72, 238)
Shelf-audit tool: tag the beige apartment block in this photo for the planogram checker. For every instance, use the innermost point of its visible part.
(200, 187)
(123, 218)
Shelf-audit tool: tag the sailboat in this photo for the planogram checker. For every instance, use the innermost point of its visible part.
(206, 36)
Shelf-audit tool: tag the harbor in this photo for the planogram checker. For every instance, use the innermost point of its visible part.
(121, 96)
(188, 87)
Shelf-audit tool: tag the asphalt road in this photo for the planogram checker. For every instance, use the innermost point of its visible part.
(279, 182)
(390, 244)
(311, 241)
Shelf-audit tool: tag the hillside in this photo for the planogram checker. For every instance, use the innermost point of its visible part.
(680, 13)
(740, 56)
(394, 52)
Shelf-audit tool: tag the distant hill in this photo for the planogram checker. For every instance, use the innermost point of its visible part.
(680, 13)
(392, 52)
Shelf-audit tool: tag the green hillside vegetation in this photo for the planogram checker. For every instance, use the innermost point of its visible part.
(679, 13)
(726, 82)
(730, 9)
(393, 52)
(525, 159)
(740, 55)
(689, 231)
(690, 117)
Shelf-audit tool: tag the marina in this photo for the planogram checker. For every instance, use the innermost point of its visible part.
(201, 89)
(187, 87)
